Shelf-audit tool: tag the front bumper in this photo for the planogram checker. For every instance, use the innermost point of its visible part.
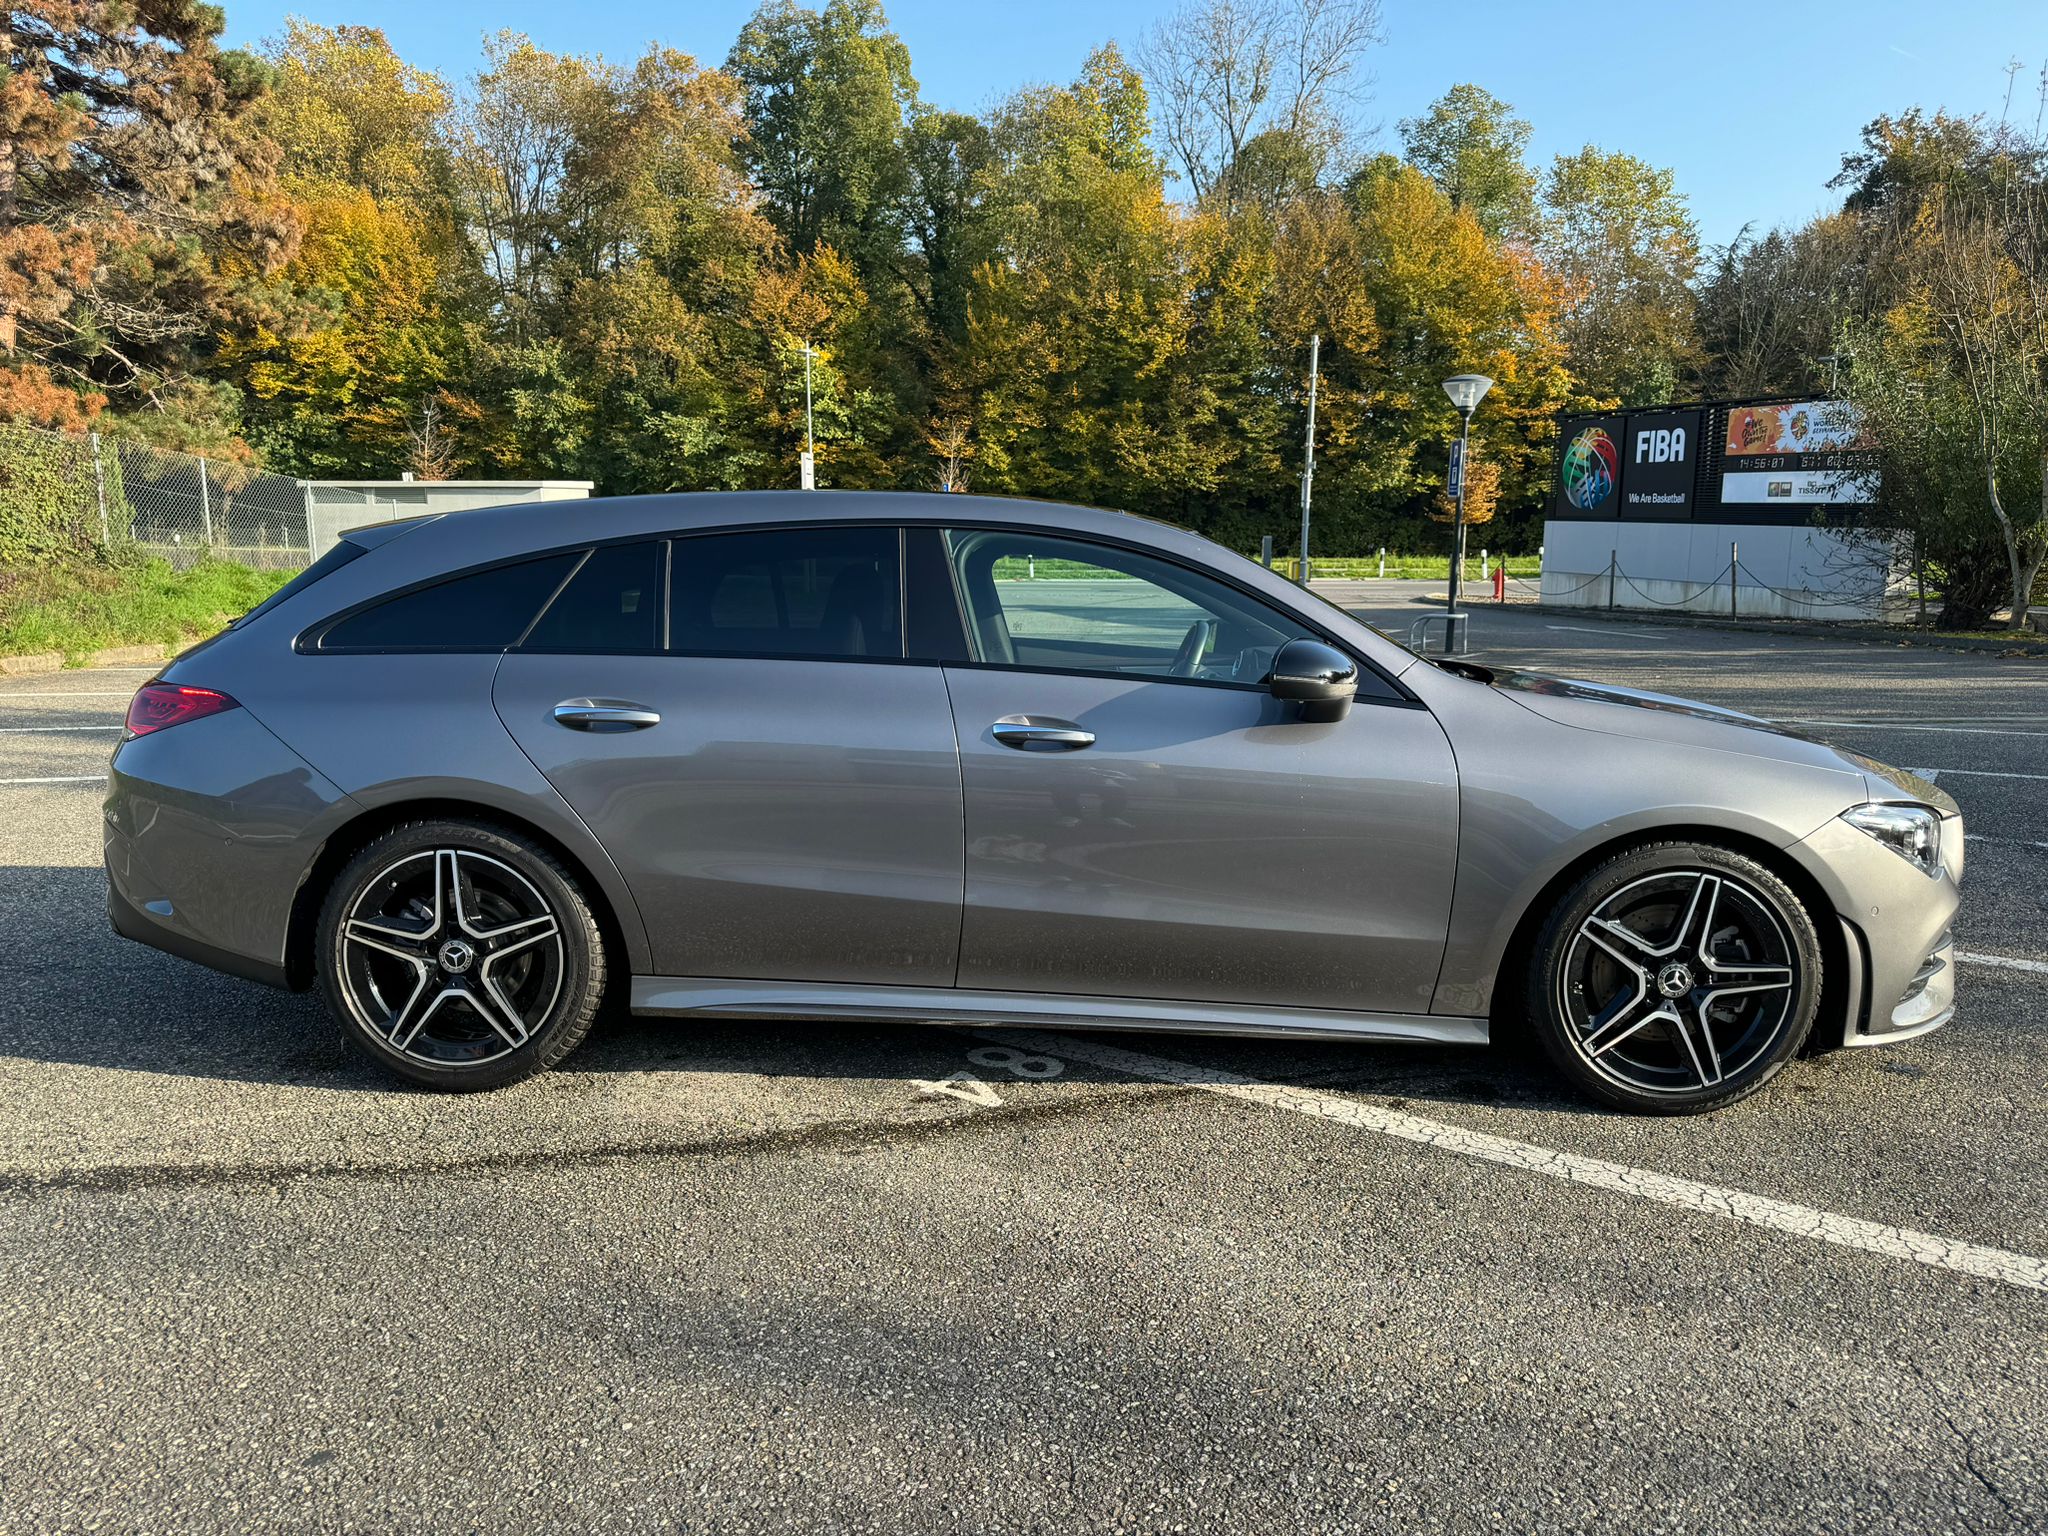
(1898, 928)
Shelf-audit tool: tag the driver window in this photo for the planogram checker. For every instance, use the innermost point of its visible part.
(1069, 605)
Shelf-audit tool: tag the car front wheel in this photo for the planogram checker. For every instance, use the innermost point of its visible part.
(460, 955)
(1675, 978)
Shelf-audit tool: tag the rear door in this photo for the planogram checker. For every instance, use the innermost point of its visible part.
(1145, 820)
(778, 785)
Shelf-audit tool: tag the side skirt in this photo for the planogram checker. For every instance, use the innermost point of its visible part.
(684, 996)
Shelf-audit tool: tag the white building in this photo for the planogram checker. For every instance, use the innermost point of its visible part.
(335, 506)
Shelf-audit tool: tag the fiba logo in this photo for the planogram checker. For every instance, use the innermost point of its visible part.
(1661, 446)
(1590, 468)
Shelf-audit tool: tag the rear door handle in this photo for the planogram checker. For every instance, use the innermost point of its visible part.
(1041, 733)
(605, 715)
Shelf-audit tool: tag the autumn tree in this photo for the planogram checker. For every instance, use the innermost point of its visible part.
(139, 211)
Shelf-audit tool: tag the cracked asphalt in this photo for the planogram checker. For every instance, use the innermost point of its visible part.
(779, 1276)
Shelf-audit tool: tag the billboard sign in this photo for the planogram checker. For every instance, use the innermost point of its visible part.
(1811, 453)
(1660, 452)
(1589, 469)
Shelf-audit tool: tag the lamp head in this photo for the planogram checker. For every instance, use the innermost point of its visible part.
(1467, 390)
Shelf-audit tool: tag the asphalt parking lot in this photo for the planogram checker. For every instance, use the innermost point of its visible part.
(753, 1277)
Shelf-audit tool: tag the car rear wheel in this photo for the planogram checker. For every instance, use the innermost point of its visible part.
(1675, 978)
(460, 955)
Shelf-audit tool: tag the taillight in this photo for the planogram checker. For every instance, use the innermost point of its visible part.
(162, 705)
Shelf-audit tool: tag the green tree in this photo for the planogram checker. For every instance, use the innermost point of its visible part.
(1617, 233)
(1472, 146)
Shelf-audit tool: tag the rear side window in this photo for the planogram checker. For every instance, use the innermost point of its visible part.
(326, 565)
(612, 603)
(486, 611)
(788, 592)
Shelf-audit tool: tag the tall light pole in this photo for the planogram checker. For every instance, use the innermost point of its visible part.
(809, 475)
(1308, 467)
(1466, 391)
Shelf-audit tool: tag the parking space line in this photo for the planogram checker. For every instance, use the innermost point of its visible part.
(1972, 1259)
(1973, 773)
(2003, 842)
(59, 693)
(71, 778)
(24, 730)
(1893, 725)
(2004, 962)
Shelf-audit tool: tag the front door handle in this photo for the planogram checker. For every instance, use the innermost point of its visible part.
(1041, 733)
(605, 715)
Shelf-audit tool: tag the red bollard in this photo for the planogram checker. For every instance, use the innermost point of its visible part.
(1500, 582)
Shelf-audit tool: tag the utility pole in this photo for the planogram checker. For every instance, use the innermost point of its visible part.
(809, 479)
(1308, 468)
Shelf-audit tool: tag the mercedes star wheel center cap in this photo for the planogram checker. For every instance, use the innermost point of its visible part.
(1675, 980)
(456, 956)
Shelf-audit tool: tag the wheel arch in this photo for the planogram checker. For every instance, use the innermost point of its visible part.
(1841, 958)
(360, 831)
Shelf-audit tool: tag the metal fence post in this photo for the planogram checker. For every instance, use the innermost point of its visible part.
(1734, 559)
(306, 490)
(205, 509)
(1612, 562)
(99, 479)
(1266, 550)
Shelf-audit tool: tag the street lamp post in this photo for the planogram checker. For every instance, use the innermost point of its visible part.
(1466, 391)
(809, 476)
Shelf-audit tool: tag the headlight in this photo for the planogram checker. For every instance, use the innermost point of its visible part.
(1913, 832)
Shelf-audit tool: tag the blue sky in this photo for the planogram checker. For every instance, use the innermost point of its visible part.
(1752, 110)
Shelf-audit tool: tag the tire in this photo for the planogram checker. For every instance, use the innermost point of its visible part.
(1675, 979)
(459, 955)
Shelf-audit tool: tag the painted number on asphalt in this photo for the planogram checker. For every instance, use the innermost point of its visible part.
(997, 1058)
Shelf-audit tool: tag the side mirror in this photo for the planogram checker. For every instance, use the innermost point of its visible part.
(1318, 677)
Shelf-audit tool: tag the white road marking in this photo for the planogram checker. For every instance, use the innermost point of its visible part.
(16, 698)
(1973, 773)
(23, 730)
(1894, 725)
(74, 778)
(2004, 962)
(1574, 629)
(2006, 842)
(1984, 1263)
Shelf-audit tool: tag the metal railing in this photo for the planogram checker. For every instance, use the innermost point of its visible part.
(63, 489)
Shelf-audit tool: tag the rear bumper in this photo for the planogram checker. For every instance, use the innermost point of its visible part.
(133, 922)
(209, 829)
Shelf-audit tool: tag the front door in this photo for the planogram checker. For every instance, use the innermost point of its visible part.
(1144, 820)
(792, 810)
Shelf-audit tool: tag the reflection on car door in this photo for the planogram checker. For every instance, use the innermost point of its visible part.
(794, 811)
(1206, 845)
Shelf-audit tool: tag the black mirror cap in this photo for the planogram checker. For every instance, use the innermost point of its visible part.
(1319, 677)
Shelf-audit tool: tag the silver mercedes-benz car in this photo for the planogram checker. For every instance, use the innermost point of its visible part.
(954, 759)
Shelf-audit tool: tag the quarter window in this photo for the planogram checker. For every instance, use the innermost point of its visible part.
(612, 603)
(485, 611)
(817, 591)
(1067, 605)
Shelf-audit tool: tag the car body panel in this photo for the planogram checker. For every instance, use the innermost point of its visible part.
(1210, 845)
(786, 818)
(708, 996)
(397, 730)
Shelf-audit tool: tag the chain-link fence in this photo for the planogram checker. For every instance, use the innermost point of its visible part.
(62, 491)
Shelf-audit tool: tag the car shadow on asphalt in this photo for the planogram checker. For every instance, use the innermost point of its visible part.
(85, 997)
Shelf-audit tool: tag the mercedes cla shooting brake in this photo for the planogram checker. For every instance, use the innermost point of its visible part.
(953, 759)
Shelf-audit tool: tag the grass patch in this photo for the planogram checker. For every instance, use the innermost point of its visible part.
(1408, 567)
(85, 606)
